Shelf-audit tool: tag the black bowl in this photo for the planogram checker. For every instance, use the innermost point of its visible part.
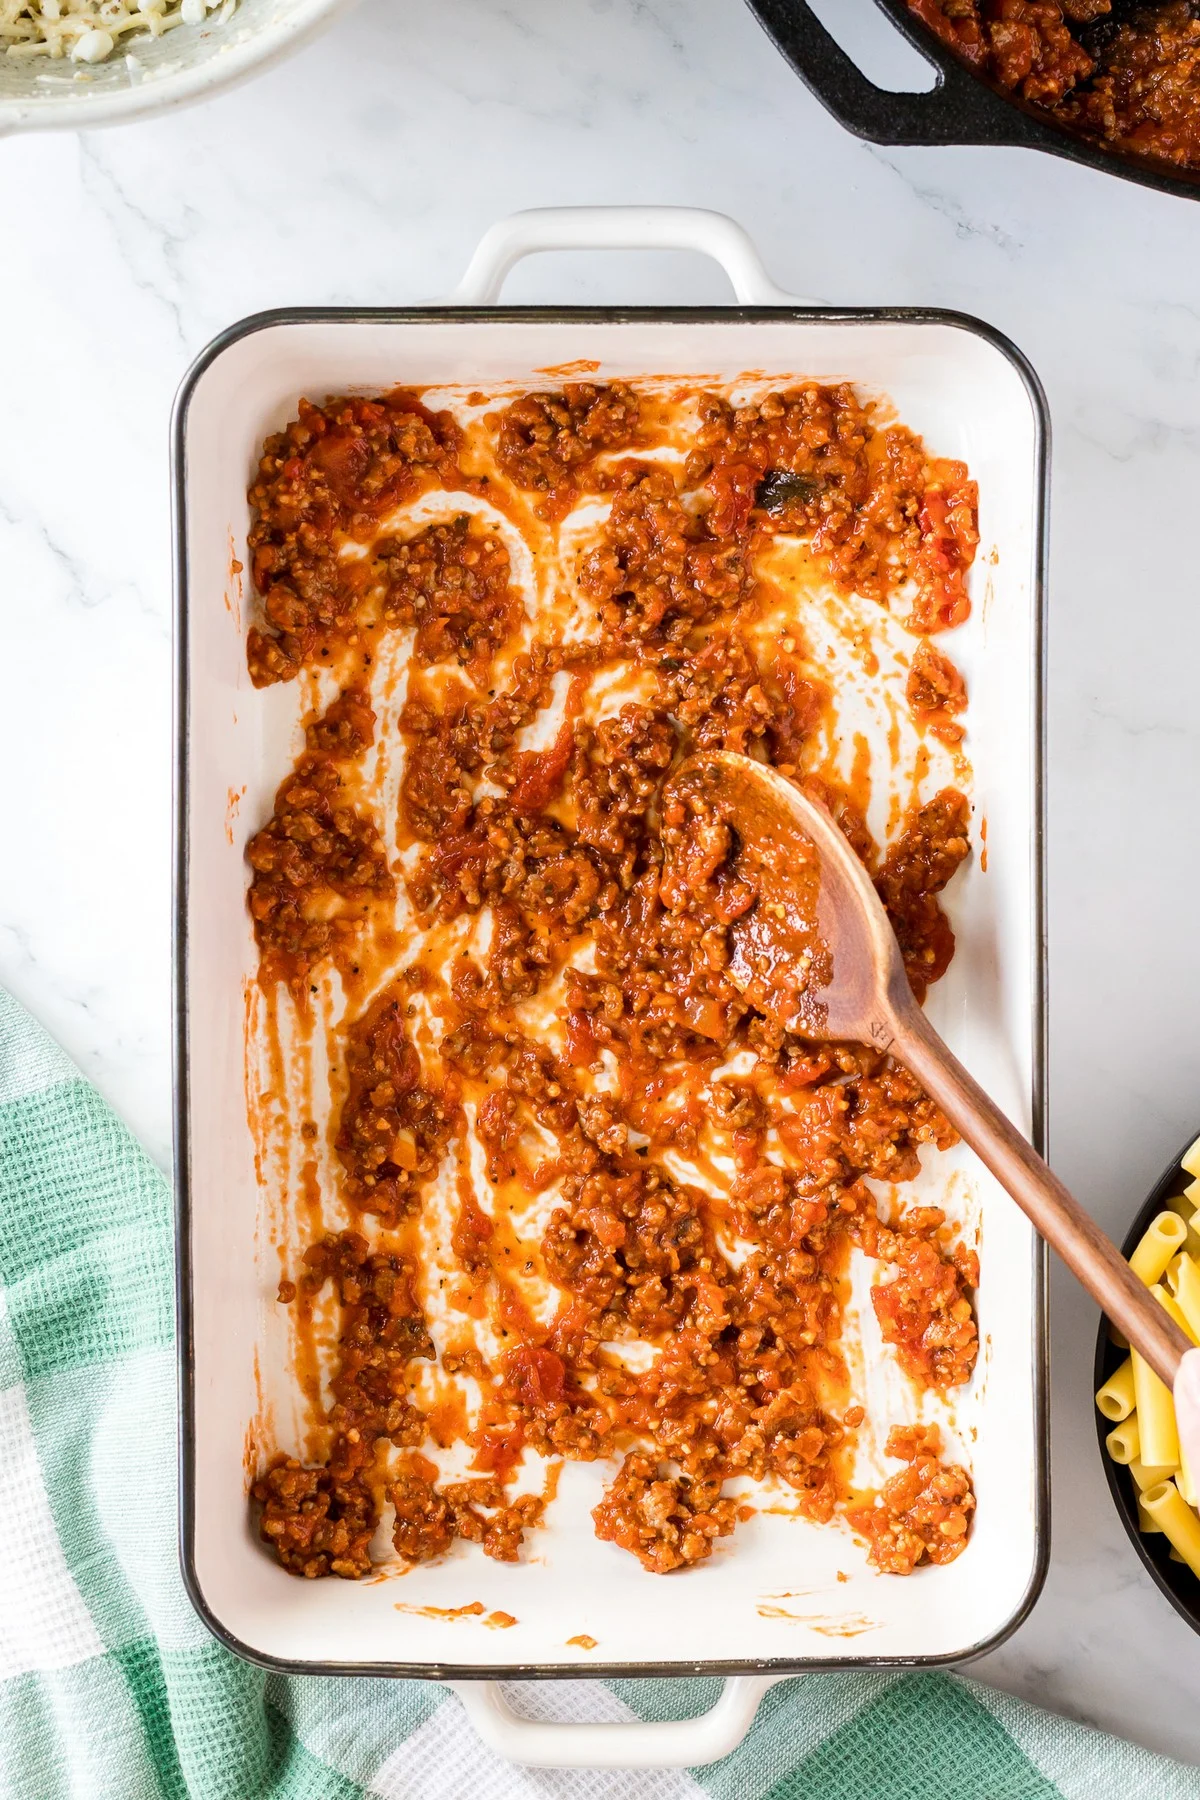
(1175, 1579)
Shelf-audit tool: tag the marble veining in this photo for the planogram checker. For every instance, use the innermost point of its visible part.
(365, 170)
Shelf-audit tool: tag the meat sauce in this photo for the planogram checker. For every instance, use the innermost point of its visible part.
(515, 977)
(1129, 79)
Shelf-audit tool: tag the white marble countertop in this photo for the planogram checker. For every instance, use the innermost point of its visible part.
(365, 170)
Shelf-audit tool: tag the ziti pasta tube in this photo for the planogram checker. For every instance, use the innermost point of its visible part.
(1124, 1442)
(1172, 1307)
(1164, 1235)
(1147, 1477)
(1185, 1205)
(1166, 1505)
(1115, 1398)
(1155, 1416)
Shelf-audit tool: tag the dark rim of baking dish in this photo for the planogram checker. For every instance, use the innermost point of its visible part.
(604, 315)
(961, 109)
(1176, 1580)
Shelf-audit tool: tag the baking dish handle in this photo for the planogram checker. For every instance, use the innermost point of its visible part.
(618, 228)
(656, 1744)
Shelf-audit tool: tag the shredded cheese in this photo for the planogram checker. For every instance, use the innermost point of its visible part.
(89, 30)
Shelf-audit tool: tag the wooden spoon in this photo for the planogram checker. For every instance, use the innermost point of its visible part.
(817, 950)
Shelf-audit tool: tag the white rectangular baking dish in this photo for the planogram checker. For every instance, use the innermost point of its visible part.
(972, 396)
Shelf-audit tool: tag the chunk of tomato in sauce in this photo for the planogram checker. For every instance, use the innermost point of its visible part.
(540, 1377)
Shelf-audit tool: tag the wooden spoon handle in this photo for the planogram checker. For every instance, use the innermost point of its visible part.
(1054, 1212)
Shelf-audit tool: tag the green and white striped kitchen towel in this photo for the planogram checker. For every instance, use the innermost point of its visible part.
(112, 1689)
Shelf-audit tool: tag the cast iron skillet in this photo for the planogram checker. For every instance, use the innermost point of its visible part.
(961, 109)
(1175, 1579)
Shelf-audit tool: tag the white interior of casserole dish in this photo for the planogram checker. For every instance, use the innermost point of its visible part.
(772, 1592)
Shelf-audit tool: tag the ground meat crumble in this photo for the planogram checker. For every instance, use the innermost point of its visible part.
(1127, 76)
(666, 1521)
(323, 483)
(936, 693)
(393, 1129)
(319, 863)
(538, 869)
(923, 1308)
(428, 1519)
(549, 443)
(922, 1514)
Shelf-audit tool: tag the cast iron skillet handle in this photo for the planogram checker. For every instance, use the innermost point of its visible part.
(959, 110)
(618, 228)
(661, 1744)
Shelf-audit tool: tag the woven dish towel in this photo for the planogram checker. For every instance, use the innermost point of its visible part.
(112, 1689)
